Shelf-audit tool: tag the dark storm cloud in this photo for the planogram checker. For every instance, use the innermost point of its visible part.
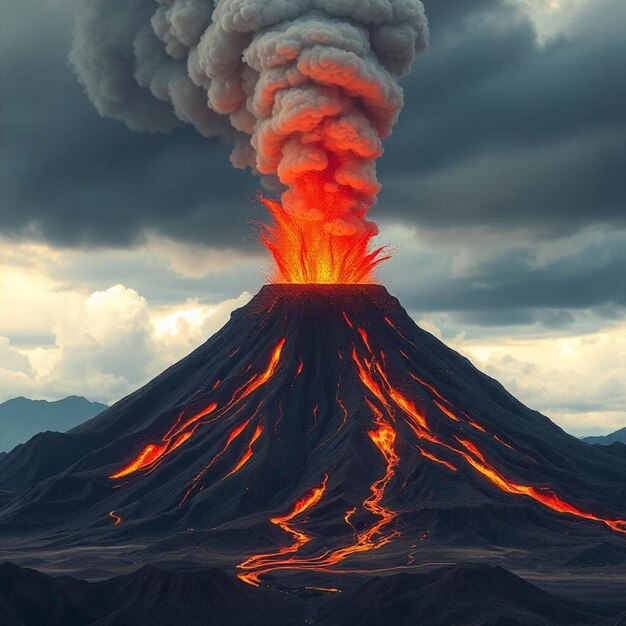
(499, 131)
(517, 287)
(73, 178)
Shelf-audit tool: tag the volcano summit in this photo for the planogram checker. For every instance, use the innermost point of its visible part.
(318, 440)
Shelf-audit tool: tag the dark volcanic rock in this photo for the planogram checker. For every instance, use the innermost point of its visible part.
(411, 449)
(617, 449)
(151, 596)
(599, 555)
(463, 594)
(459, 594)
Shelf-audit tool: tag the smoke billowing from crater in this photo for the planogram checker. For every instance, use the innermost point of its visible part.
(306, 90)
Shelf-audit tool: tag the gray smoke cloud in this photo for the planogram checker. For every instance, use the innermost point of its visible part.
(297, 86)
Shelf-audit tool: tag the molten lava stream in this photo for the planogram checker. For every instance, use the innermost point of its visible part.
(232, 436)
(248, 453)
(307, 502)
(369, 370)
(154, 454)
(372, 538)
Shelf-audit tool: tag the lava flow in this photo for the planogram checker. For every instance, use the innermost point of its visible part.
(386, 409)
(388, 404)
(183, 430)
(372, 537)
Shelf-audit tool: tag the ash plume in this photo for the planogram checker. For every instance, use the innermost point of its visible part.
(303, 89)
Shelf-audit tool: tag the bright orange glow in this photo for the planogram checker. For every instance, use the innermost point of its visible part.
(257, 381)
(149, 455)
(249, 453)
(366, 340)
(373, 537)
(432, 457)
(476, 425)
(183, 430)
(544, 495)
(446, 411)
(234, 434)
(472, 448)
(307, 252)
(385, 392)
(264, 562)
(347, 519)
(400, 403)
(178, 428)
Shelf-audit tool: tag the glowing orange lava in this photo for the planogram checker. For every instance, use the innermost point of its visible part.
(183, 430)
(314, 246)
(373, 537)
(248, 453)
(264, 562)
(443, 433)
(376, 380)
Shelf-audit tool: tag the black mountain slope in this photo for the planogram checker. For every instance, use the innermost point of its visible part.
(150, 596)
(458, 594)
(320, 432)
(154, 596)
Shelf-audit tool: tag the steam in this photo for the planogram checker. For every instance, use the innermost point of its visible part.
(305, 90)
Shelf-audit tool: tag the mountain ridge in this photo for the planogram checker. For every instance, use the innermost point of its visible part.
(619, 436)
(22, 418)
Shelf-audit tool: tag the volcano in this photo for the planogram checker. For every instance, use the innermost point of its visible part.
(320, 439)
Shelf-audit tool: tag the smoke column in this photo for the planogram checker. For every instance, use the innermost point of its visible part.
(305, 90)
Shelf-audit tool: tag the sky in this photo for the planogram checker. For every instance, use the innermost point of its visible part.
(503, 201)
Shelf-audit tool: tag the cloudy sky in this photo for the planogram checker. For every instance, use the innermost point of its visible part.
(504, 200)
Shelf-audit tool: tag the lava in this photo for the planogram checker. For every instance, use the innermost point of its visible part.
(307, 251)
(373, 537)
(233, 435)
(442, 432)
(248, 453)
(149, 455)
(472, 453)
(264, 562)
(432, 457)
(183, 430)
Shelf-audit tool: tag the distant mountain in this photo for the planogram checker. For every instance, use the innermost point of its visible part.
(619, 436)
(21, 419)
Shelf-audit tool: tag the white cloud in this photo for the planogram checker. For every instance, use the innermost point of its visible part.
(579, 381)
(59, 337)
(110, 345)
